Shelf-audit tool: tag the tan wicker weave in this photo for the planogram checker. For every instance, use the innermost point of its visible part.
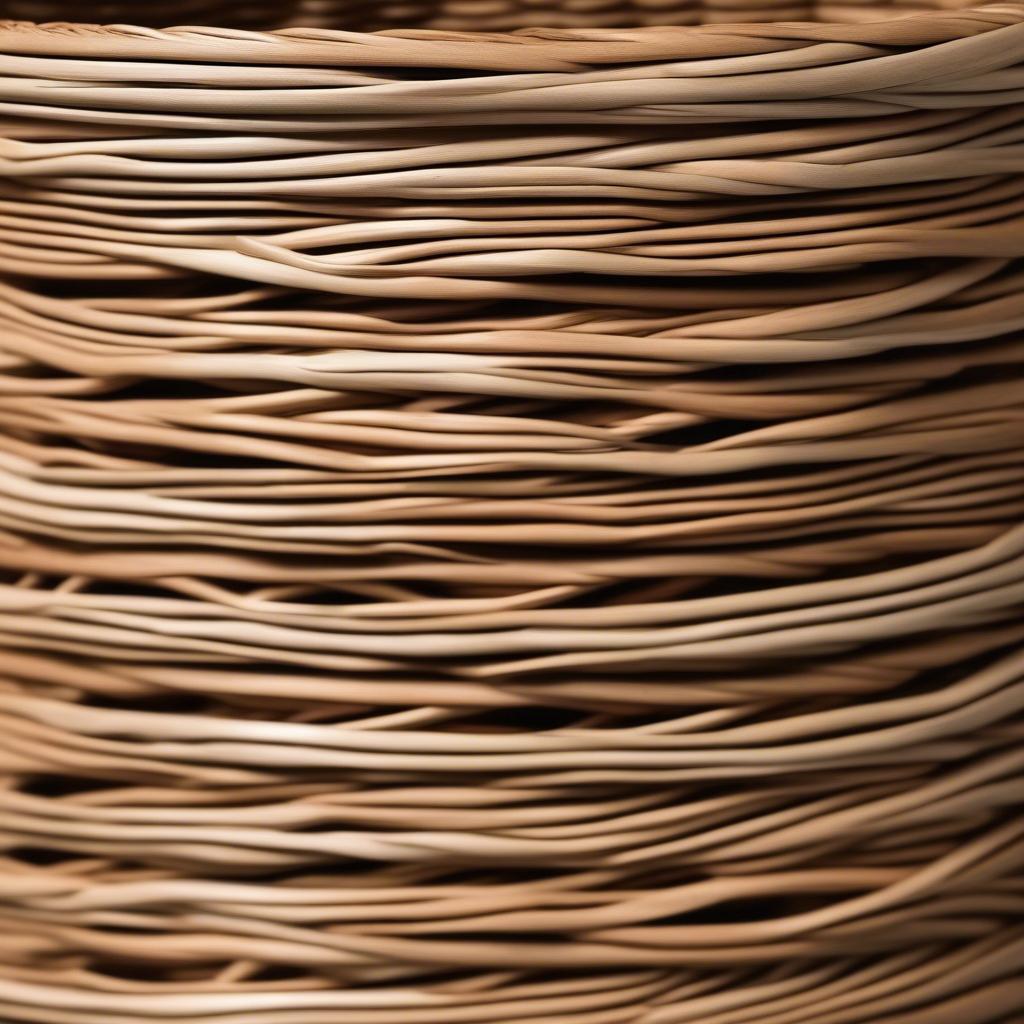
(511, 525)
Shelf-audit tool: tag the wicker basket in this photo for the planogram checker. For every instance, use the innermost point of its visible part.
(508, 524)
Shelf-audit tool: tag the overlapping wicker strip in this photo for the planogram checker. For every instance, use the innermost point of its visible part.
(512, 525)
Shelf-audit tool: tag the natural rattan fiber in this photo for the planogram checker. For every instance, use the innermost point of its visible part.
(508, 524)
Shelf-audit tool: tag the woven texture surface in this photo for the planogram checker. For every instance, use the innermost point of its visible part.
(514, 527)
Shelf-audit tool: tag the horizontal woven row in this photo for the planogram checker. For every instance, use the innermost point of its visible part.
(518, 527)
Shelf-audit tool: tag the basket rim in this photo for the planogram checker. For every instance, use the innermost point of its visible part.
(522, 50)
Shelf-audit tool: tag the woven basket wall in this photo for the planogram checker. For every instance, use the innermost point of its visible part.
(508, 525)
